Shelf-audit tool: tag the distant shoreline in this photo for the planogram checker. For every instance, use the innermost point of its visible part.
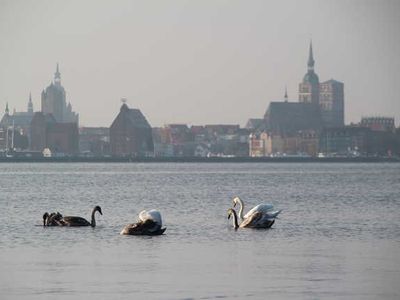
(199, 159)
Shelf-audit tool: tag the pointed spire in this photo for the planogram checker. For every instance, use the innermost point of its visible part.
(311, 61)
(286, 96)
(57, 75)
(7, 110)
(30, 104)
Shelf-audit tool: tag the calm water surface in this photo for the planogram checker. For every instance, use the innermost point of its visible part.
(337, 238)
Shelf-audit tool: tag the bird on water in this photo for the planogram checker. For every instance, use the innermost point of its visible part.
(149, 223)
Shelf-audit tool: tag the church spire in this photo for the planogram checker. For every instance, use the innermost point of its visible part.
(7, 110)
(57, 76)
(30, 104)
(311, 61)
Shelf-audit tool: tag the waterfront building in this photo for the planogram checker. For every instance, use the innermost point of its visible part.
(308, 142)
(94, 141)
(378, 123)
(39, 125)
(197, 140)
(303, 143)
(63, 138)
(131, 134)
(265, 144)
(60, 138)
(331, 103)
(17, 125)
(256, 145)
(54, 102)
(344, 141)
(287, 118)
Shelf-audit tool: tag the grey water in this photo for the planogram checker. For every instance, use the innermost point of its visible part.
(338, 236)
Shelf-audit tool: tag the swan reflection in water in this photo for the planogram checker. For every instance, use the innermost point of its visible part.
(149, 223)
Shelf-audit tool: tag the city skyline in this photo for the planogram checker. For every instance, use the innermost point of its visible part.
(198, 63)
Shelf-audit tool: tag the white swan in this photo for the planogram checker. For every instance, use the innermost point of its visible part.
(263, 214)
(263, 208)
(151, 214)
(256, 220)
(149, 223)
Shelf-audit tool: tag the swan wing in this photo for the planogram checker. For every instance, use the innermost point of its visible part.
(74, 221)
(272, 214)
(259, 208)
(130, 228)
(267, 219)
(148, 227)
(152, 214)
(252, 220)
(54, 219)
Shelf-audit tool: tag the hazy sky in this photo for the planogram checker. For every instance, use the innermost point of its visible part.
(198, 62)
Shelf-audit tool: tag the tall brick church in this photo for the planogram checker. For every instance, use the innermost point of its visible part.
(54, 102)
(328, 95)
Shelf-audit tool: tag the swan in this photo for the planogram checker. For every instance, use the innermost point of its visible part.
(256, 220)
(52, 219)
(149, 223)
(266, 209)
(79, 221)
(151, 214)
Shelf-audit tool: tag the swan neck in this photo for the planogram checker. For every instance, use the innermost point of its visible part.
(93, 221)
(235, 221)
(241, 208)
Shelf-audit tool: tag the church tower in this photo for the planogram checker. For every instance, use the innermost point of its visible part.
(309, 88)
(30, 105)
(54, 101)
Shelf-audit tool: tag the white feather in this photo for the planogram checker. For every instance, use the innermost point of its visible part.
(264, 208)
(152, 214)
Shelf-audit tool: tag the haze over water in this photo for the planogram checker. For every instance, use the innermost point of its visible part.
(338, 236)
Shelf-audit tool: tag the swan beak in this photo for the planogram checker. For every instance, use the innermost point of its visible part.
(234, 203)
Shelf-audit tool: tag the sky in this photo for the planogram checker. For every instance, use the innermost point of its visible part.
(198, 62)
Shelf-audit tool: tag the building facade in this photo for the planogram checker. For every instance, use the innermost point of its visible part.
(378, 123)
(94, 141)
(131, 134)
(287, 118)
(60, 138)
(329, 95)
(16, 128)
(331, 103)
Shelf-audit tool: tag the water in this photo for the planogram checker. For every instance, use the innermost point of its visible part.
(338, 235)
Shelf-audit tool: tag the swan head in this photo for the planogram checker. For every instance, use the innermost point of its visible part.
(98, 208)
(45, 216)
(235, 201)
